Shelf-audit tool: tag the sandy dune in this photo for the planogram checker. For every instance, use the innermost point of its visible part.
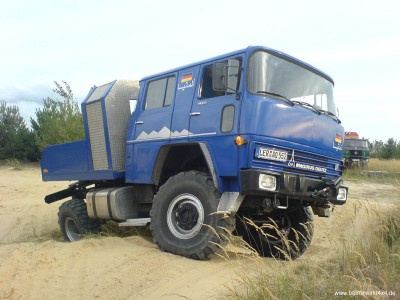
(35, 265)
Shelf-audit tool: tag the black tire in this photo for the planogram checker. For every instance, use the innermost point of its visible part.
(74, 220)
(286, 235)
(184, 219)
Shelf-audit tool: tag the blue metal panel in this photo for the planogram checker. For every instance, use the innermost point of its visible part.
(275, 119)
(206, 123)
(185, 93)
(307, 138)
(224, 153)
(141, 160)
(70, 161)
(150, 130)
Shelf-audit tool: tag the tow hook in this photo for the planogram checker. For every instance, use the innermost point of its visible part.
(281, 203)
(324, 193)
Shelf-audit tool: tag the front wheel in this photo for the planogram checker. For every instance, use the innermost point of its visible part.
(282, 234)
(184, 218)
(74, 220)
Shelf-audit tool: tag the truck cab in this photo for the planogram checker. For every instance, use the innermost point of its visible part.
(355, 151)
(248, 142)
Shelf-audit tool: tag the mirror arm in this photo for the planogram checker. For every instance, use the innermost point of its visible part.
(238, 95)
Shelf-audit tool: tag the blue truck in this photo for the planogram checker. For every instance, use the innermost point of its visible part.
(247, 143)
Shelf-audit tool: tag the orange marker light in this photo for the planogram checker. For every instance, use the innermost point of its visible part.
(239, 141)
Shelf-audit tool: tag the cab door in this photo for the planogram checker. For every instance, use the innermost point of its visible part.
(185, 93)
(214, 117)
(152, 126)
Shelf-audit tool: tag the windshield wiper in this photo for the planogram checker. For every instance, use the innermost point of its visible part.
(276, 95)
(333, 116)
(308, 105)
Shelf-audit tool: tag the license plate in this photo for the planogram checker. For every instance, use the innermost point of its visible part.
(272, 154)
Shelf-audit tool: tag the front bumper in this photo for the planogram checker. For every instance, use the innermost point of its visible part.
(300, 187)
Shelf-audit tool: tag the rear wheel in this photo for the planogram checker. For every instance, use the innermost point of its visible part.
(74, 220)
(184, 218)
(282, 234)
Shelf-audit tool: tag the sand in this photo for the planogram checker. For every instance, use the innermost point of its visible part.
(35, 264)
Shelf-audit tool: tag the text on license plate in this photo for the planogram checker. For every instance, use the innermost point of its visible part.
(272, 154)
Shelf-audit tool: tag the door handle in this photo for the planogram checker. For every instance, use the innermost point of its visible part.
(139, 122)
(195, 113)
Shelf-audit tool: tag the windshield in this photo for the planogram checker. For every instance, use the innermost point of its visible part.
(271, 74)
(356, 143)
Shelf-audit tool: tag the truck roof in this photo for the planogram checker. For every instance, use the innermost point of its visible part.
(248, 50)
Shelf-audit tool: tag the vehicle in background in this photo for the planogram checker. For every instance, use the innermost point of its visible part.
(355, 150)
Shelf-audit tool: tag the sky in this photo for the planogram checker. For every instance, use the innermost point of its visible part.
(89, 43)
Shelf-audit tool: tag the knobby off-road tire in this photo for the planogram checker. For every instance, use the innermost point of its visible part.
(289, 238)
(184, 219)
(74, 220)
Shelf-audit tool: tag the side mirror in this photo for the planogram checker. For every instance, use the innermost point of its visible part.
(219, 75)
(225, 76)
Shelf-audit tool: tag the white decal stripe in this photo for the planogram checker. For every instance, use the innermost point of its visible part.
(165, 134)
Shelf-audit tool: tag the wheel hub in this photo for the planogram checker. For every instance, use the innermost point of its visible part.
(185, 216)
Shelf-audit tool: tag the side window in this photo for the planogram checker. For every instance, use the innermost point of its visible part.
(169, 93)
(227, 118)
(206, 90)
(160, 92)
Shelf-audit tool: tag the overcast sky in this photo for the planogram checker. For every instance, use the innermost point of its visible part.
(90, 43)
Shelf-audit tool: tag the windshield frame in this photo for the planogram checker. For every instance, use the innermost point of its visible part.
(322, 84)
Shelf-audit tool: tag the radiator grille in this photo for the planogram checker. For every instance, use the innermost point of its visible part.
(332, 167)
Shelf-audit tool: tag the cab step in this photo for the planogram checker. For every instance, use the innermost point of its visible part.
(135, 222)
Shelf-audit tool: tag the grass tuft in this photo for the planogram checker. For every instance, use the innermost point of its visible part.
(15, 164)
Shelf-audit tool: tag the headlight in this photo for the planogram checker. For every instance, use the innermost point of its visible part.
(342, 194)
(267, 182)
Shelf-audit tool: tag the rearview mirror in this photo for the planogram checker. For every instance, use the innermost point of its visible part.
(225, 76)
(219, 75)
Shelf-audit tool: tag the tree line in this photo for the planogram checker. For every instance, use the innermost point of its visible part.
(385, 150)
(60, 121)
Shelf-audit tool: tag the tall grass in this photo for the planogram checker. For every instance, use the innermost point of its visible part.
(391, 166)
(391, 169)
(14, 163)
(363, 266)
